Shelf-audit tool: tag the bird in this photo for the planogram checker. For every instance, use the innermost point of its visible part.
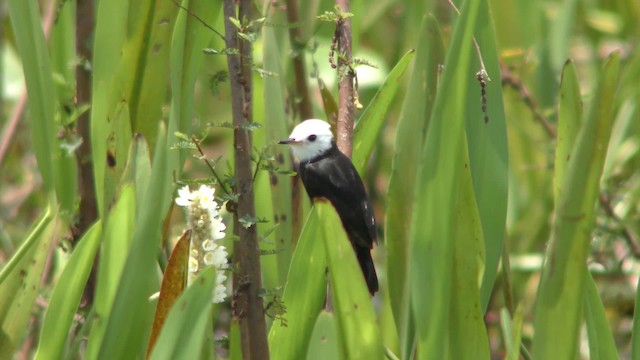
(328, 173)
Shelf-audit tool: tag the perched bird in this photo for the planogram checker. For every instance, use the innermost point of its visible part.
(328, 173)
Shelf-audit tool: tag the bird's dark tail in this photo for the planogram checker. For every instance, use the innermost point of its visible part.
(368, 269)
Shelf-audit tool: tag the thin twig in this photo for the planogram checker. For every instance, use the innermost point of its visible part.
(627, 234)
(346, 106)
(305, 110)
(213, 170)
(200, 20)
(255, 172)
(247, 305)
(8, 133)
(509, 79)
(483, 69)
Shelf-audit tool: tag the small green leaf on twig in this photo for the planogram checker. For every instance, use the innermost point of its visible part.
(215, 80)
(70, 145)
(276, 310)
(250, 125)
(235, 23)
(335, 16)
(270, 230)
(182, 145)
(276, 291)
(255, 22)
(223, 342)
(264, 73)
(77, 112)
(221, 124)
(248, 221)
(229, 197)
(357, 62)
(225, 51)
(270, 251)
(250, 37)
(182, 136)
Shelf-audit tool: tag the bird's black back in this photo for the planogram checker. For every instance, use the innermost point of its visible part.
(333, 176)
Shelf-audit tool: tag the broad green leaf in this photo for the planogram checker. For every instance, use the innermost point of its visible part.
(185, 329)
(138, 168)
(62, 49)
(439, 176)
(188, 39)
(20, 280)
(488, 152)
(110, 35)
(130, 66)
(359, 335)
(303, 294)
(561, 291)
(372, 119)
(468, 335)
(27, 28)
(601, 343)
(569, 118)
(173, 283)
(324, 339)
(410, 132)
(67, 294)
(118, 145)
(127, 326)
(115, 246)
(145, 66)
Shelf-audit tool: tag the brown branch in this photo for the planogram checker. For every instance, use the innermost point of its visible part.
(627, 234)
(88, 208)
(297, 44)
(509, 79)
(346, 106)
(248, 305)
(304, 107)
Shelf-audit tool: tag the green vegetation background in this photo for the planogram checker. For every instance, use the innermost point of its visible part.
(508, 212)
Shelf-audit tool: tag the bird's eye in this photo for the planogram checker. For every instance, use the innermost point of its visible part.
(312, 137)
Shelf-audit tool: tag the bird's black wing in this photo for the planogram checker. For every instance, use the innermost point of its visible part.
(334, 177)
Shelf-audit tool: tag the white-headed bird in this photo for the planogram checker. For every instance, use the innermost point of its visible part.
(328, 173)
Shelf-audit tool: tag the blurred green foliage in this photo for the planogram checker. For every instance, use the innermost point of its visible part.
(507, 202)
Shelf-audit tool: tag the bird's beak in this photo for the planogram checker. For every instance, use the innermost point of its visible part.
(287, 141)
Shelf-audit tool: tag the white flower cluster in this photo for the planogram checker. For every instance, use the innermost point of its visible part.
(203, 218)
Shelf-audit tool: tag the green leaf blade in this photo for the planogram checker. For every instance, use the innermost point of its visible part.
(303, 294)
(67, 294)
(561, 291)
(441, 165)
(357, 327)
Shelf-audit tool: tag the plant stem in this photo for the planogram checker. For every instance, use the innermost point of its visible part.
(346, 107)
(304, 106)
(246, 255)
(88, 208)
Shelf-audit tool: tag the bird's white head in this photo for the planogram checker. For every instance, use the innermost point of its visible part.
(311, 138)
